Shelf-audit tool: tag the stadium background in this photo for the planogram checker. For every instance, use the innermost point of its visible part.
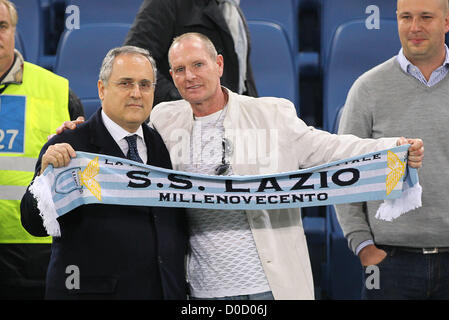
(308, 51)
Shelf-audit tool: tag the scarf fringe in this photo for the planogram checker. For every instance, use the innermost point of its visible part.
(409, 200)
(41, 190)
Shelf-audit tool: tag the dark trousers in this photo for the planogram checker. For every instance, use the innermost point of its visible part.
(23, 269)
(409, 276)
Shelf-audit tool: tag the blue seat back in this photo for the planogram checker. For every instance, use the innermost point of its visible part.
(31, 28)
(272, 62)
(19, 44)
(111, 11)
(343, 274)
(337, 120)
(281, 12)
(80, 54)
(354, 50)
(284, 13)
(337, 12)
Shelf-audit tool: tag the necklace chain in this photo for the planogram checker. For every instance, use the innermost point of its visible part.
(196, 161)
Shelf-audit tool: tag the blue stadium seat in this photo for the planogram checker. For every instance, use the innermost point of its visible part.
(343, 274)
(337, 119)
(31, 28)
(111, 11)
(337, 12)
(285, 14)
(273, 65)
(54, 24)
(354, 50)
(315, 232)
(80, 54)
(281, 12)
(309, 2)
(19, 44)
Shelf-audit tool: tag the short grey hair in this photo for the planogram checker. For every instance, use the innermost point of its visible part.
(206, 41)
(108, 61)
(12, 11)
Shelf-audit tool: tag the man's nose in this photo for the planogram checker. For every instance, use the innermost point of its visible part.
(135, 91)
(190, 74)
(416, 24)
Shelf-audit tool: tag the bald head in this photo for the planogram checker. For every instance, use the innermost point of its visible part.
(422, 26)
(444, 4)
(208, 45)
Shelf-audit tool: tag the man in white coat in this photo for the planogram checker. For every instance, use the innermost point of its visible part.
(258, 254)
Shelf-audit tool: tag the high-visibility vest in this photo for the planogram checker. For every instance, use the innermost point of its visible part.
(29, 113)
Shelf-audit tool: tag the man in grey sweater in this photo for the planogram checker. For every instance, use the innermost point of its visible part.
(412, 252)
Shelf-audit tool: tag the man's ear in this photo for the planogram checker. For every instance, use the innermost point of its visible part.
(446, 23)
(220, 63)
(100, 85)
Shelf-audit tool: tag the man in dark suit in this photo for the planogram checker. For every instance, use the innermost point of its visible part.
(119, 252)
(159, 21)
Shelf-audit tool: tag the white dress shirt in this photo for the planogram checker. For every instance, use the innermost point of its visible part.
(119, 134)
(436, 76)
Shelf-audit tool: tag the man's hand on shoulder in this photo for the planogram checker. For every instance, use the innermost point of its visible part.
(67, 125)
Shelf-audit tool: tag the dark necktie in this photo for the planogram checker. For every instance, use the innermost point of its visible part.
(133, 154)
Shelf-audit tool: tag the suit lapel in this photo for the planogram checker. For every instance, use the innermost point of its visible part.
(156, 150)
(102, 141)
(101, 138)
(152, 154)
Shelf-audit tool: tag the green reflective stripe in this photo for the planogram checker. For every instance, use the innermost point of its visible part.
(17, 163)
(47, 97)
(11, 229)
(12, 192)
(15, 178)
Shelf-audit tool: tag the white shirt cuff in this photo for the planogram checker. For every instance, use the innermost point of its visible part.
(363, 245)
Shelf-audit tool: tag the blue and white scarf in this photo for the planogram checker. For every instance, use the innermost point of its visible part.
(94, 178)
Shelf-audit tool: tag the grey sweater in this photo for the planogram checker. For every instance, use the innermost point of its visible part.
(384, 102)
